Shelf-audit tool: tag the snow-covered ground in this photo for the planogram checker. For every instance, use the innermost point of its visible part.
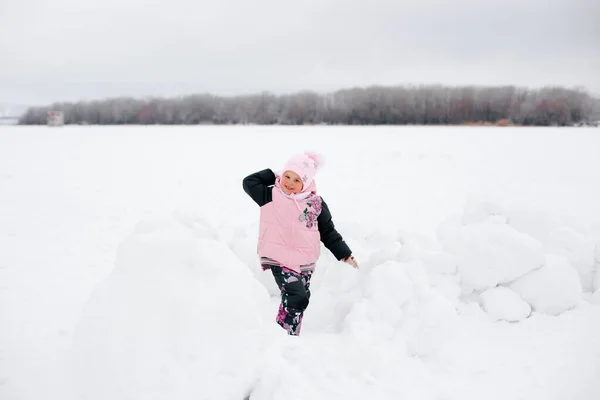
(128, 267)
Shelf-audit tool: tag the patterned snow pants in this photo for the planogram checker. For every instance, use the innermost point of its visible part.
(295, 295)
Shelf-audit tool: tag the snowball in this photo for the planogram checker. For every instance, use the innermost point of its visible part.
(490, 252)
(552, 289)
(502, 303)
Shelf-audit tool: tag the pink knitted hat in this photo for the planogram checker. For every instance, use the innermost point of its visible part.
(305, 165)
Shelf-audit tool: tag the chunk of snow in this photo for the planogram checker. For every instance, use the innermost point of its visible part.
(490, 252)
(502, 303)
(551, 289)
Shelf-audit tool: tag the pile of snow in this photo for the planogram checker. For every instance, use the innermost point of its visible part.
(572, 238)
(490, 252)
(547, 273)
(178, 309)
(182, 315)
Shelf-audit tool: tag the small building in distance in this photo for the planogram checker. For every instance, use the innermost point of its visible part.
(55, 118)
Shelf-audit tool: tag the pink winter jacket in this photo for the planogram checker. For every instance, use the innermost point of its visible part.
(292, 228)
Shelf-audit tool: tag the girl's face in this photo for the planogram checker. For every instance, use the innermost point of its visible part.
(291, 183)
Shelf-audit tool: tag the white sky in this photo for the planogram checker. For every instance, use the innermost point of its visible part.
(65, 50)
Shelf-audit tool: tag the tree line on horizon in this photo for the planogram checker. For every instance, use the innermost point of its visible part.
(376, 105)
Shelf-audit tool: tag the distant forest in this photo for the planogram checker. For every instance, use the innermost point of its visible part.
(376, 105)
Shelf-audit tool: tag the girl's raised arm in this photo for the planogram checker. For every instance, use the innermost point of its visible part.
(259, 186)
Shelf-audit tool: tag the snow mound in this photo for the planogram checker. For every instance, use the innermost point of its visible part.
(552, 289)
(176, 311)
(502, 303)
(489, 251)
(560, 233)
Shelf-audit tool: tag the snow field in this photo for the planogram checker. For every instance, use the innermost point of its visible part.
(136, 277)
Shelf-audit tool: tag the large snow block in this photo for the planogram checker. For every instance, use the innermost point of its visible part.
(552, 289)
(490, 252)
(502, 303)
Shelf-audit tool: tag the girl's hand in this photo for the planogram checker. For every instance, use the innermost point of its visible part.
(351, 260)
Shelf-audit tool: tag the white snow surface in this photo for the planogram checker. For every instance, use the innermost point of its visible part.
(128, 265)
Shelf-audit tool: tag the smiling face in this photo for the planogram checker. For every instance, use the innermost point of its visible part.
(291, 183)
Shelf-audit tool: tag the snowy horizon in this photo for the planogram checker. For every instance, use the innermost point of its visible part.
(128, 267)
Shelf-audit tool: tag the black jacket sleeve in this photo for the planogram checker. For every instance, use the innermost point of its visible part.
(330, 236)
(259, 186)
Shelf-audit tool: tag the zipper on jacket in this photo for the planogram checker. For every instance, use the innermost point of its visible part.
(292, 238)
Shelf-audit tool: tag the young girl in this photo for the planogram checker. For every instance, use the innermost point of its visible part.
(294, 219)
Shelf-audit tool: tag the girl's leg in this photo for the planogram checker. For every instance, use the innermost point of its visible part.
(306, 275)
(294, 298)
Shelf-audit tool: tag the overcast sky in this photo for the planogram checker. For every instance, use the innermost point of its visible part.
(65, 50)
